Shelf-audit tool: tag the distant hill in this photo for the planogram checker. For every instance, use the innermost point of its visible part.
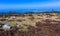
(26, 11)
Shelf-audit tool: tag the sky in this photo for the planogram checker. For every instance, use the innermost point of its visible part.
(30, 4)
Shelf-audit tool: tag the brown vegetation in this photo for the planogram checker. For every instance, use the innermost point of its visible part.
(48, 25)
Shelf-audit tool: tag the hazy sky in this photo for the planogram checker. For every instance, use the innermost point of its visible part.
(29, 4)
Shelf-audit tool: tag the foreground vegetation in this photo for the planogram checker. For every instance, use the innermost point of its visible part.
(46, 24)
